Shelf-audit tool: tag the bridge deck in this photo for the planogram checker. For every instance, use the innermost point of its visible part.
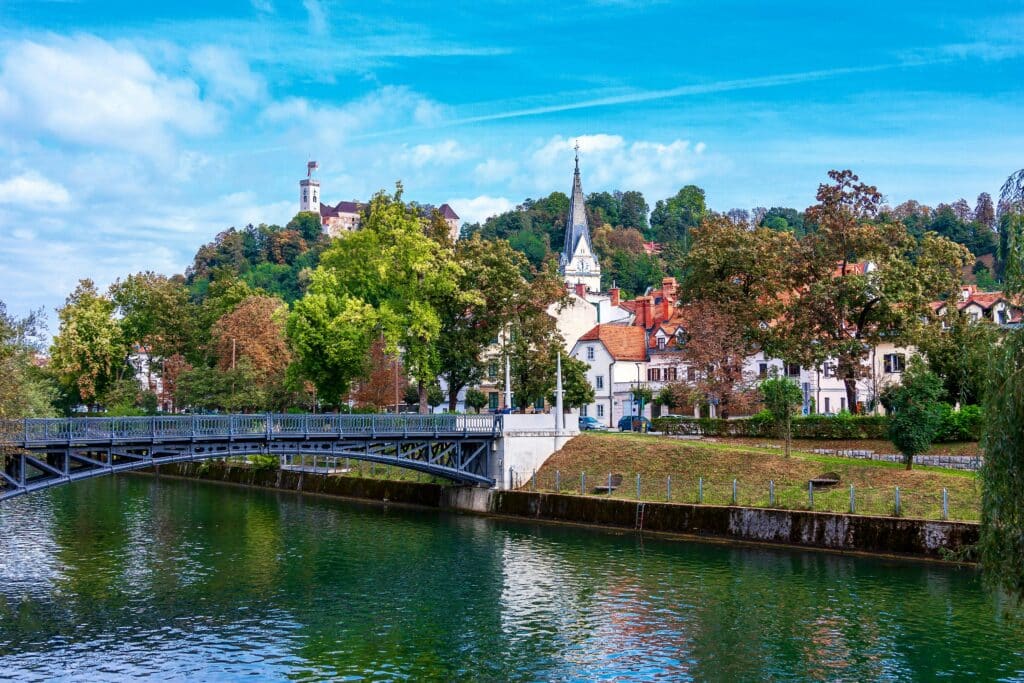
(47, 452)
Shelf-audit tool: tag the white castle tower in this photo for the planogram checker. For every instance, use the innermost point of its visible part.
(578, 263)
(309, 190)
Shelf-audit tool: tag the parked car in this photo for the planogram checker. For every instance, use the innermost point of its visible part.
(634, 423)
(589, 422)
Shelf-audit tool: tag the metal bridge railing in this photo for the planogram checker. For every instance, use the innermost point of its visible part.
(181, 427)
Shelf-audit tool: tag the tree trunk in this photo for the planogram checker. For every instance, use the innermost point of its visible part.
(850, 384)
(422, 389)
(453, 396)
(910, 462)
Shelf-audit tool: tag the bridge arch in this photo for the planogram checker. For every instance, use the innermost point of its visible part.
(48, 452)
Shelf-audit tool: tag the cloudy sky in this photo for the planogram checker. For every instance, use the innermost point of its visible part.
(132, 132)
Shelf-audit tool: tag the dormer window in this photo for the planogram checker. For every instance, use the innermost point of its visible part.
(662, 343)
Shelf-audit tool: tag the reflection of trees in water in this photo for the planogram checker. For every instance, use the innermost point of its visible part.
(323, 588)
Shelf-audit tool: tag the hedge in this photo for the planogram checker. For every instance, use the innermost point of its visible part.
(957, 425)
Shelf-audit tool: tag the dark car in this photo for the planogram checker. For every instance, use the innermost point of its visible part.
(634, 423)
(588, 422)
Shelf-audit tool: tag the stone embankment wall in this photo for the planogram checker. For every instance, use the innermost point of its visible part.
(953, 462)
(879, 535)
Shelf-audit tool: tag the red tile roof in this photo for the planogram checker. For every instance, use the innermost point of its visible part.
(448, 213)
(623, 342)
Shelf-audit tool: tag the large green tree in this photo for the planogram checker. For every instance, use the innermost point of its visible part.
(782, 398)
(862, 281)
(959, 350)
(673, 218)
(915, 412)
(90, 350)
(384, 280)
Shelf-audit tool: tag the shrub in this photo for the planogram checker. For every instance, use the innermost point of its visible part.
(961, 425)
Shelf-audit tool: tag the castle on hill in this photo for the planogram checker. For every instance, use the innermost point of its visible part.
(346, 216)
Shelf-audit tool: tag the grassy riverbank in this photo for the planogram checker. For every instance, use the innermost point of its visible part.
(671, 469)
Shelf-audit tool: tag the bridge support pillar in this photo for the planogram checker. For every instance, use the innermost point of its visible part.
(526, 442)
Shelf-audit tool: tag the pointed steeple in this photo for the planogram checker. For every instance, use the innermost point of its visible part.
(578, 263)
(576, 225)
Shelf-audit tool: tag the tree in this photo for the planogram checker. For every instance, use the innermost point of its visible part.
(782, 398)
(384, 280)
(673, 218)
(916, 414)
(1001, 544)
(985, 211)
(716, 349)
(491, 290)
(89, 352)
(307, 224)
(476, 400)
(255, 331)
(156, 314)
(576, 388)
(25, 391)
(747, 273)
(384, 383)
(633, 210)
(959, 350)
(861, 280)
(435, 396)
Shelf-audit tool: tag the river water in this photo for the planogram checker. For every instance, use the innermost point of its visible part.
(119, 578)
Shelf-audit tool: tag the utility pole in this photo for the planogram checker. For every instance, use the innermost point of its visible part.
(508, 383)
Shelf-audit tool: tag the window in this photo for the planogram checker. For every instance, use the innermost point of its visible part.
(492, 400)
(762, 370)
(671, 374)
(691, 374)
(599, 382)
(538, 404)
(492, 371)
(842, 405)
(590, 353)
(583, 411)
(1002, 317)
(662, 342)
(653, 374)
(829, 370)
(894, 362)
(600, 410)
(792, 370)
(828, 408)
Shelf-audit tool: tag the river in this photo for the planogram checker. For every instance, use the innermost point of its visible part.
(122, 577)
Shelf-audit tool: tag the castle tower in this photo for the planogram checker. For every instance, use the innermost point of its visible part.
(578, 263)
(309, 190)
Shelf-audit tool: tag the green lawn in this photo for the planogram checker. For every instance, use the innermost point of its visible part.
(708, 469)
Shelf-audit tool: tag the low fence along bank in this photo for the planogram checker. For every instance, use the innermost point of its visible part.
(939, 504)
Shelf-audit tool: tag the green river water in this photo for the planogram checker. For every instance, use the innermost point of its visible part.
(129, 577)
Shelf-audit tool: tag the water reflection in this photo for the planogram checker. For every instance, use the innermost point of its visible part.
(121, 577)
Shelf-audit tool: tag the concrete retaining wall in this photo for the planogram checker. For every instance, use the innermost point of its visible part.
(881, 535)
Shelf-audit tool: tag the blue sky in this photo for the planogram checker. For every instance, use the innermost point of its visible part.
(133, 132)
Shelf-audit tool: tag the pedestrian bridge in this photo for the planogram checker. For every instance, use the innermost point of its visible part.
(39, 453)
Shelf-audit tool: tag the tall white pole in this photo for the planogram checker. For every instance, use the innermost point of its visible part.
(508, 383)
(559, 415)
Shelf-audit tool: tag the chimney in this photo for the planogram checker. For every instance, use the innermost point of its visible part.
(666, 308)
(581, 290)
(614, 292)
(668, 287)
(643, 311)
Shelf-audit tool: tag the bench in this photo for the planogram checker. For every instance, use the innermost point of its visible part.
(616, 482)
(825, 480)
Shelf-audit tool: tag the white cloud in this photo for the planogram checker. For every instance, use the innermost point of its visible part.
(609, 162)
(478, 209)
(331, 126)
(226, 75)
(317, 17)
(444, 153)
(31, 189)
(85, 90)
(495, 170)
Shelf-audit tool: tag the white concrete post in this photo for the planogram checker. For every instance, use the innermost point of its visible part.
(559, 414)
(508, 383)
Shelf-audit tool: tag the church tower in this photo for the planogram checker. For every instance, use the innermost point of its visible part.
(309, 190)
(578, 263)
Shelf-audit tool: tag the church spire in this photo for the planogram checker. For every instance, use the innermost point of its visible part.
(578, 263)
